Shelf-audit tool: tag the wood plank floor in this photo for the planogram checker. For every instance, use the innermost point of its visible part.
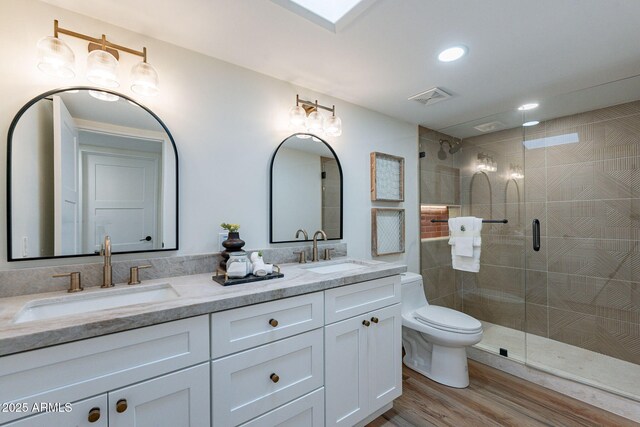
(493, 398)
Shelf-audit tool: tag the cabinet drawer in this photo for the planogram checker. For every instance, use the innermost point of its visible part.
(307, 411)
(244, 385)
(353, 300)
(242, 328)
(69, 372)
(78, 416)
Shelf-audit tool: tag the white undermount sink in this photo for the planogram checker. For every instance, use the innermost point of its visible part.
(49, 308)
(335, 267)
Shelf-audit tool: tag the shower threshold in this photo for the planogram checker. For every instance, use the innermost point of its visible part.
(564, 360)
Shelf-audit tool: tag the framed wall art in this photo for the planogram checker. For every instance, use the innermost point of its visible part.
(387, 177)
(387, 231)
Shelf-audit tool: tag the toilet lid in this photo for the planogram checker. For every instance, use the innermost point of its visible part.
(447, 319)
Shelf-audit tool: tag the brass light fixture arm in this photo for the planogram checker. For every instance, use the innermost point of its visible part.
(102, 42)
(311, 106)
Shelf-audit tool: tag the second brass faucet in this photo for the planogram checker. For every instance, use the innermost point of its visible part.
(315, 243)
(107, 278)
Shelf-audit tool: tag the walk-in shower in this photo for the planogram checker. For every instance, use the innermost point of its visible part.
(571, 308)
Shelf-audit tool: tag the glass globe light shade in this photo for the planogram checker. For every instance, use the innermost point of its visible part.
(102, 68)
(103, 96)
(315, 122)
(333, 126)
(55, 57)
(144, 79)
(297, 117)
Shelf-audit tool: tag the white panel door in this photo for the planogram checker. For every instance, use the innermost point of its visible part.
(346, 372)
(385, 356)
(121, 194)
(65, 181)
(180, 399)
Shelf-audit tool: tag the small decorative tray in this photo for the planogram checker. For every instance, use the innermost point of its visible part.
(222, 278)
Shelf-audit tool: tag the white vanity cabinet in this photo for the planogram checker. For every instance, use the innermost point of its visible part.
(363, 367)
(271, 366)
(160, 360)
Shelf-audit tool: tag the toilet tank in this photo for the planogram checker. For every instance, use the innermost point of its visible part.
(412, 292)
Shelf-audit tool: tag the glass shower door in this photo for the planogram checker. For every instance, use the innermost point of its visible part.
(582, 192)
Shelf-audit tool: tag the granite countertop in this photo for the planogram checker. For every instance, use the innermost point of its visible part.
(198, 294)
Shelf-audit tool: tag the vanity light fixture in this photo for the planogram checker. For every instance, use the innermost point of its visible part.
(305, 116)
(486, 163)
(515, 171)
(56, 58)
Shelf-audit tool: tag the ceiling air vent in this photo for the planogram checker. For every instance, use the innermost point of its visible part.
(431, 96)
(490, 127)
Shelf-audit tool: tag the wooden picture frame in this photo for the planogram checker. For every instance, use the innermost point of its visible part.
(387, 177)
(387, 231)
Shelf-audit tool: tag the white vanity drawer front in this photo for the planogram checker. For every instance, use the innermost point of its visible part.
(245, 384)
(307, 411)
(78, 416)
(69, 372)
(353, 300)
(246, 327)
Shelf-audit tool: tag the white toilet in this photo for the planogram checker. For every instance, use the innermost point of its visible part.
(435, 338)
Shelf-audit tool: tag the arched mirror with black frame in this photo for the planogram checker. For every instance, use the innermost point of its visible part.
(84, 163)
(305, 190)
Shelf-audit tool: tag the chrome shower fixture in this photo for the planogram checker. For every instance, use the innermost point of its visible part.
(453, 148)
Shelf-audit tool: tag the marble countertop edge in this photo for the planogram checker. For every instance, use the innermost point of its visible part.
(199, 295)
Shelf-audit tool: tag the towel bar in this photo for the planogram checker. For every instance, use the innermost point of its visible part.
(492, 221)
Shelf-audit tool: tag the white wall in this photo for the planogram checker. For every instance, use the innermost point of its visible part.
(297, 195)
(33, 198)
(226, 121)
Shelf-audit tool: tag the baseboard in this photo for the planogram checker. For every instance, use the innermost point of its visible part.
(611, 402)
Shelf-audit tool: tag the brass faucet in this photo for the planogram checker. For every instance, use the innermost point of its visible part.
(107, 279)
(315, 243)
(306, 236)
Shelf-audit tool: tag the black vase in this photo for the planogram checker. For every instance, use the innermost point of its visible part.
(233, 244)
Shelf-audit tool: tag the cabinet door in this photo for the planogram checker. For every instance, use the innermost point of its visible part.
(385, 356)
(346, 371)
(180, 399)
(78, 416)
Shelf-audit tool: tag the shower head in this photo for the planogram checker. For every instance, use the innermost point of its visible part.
(454, 148)
(442, 155)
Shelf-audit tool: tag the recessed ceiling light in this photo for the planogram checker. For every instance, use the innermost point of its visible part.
(531, 123)
(452, 53)
(526, 107)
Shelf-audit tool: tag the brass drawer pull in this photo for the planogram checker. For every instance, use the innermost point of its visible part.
(273, 322)
(275, 378)
(94, 415)
(366, 323)
(121, 406)
(374, 319)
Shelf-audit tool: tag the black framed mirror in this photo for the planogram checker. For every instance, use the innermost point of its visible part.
(83, 163)
(305, 189)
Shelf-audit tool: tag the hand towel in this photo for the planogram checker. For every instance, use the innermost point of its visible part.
(465, 244)
(255, 256)
(262, 269)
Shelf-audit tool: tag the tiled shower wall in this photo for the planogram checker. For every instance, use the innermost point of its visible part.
(583, 183)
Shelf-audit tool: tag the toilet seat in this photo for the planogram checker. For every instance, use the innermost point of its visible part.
(446, 319)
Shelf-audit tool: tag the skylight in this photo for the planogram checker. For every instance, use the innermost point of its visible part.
(330, 14)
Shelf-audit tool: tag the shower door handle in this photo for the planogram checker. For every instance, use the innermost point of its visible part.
(536, 234)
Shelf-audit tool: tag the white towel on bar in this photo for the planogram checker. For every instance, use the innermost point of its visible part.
(465, 243)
